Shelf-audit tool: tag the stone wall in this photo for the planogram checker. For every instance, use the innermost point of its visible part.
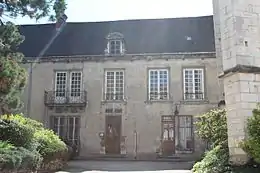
(239, 29)
(139, 114)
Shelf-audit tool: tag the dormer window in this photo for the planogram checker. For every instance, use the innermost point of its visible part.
(115, 44)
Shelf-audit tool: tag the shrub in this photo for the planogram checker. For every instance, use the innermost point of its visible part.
(16, 133)
(212, 127)
(12, 157)
(23, 120)
(49, 143)
(30, 140)
(215, 161)
(252, 144)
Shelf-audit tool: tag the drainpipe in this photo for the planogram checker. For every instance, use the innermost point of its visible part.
(135, 137)
(29, 99)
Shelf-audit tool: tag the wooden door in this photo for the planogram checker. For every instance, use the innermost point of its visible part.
(113, 134)
(168, 136)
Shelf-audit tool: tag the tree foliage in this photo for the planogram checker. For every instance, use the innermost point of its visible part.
(212, 127)
(252, 144)
(12, 76)
(34, 8)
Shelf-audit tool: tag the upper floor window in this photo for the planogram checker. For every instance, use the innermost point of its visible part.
(158, 84)
(114, 85)
(115, 44)
(193, 84)
(68, 84)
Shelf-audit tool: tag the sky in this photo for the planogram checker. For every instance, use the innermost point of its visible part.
(110, 10)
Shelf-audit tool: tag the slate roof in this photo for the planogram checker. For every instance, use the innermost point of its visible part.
(141, 36)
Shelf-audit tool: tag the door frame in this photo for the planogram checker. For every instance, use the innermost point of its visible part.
(169, 119)
(119, 133)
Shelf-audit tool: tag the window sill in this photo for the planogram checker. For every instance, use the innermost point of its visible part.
(157, 101)
(184, 151)
(113, 101)
(195, 102)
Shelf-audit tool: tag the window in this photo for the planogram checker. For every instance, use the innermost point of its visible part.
(75, 84)
(68, 84)
(67, 127)
(115, 44)
(61, 84)
(115, 47)
(114, 85)
(185, 133)
(158, 84)
(193, 84)
(167, 128)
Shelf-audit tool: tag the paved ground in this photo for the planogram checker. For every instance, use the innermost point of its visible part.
(126, 167)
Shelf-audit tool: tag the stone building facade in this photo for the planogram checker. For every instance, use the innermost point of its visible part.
(124, 88)
(237, 31)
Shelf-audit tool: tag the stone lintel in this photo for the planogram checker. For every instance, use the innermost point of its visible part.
(240, 69)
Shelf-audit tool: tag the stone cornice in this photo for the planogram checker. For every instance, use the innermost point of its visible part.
(240, 69)
(127, 57)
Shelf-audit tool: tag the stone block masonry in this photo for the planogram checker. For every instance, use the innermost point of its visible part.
(239, 22)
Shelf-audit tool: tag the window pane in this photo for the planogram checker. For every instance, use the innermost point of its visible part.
(75, 85)
(115, 47)
(193, 84)
(114, 85)
(60, 84)
(158, 84)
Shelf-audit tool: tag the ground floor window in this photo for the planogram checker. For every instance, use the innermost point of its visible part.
(67, 127)
(185, 129)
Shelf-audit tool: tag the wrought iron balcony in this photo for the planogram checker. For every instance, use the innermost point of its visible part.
(158, 95)
(52, 98)
(194, 96)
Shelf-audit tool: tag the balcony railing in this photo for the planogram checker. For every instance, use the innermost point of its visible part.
(114, 96)
(65, 98)
(158, 95)
(194, 96)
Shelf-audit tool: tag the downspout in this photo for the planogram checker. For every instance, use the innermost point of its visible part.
(29, 99)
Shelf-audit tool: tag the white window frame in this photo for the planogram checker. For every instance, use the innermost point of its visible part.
(123, 89)
(60, 99)
(193, 81)
(158, 84)
(66, 127)
(74, 98)
(110, 47)
(68, 86)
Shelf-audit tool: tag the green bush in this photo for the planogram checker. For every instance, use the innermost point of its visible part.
(49, 143)
(16, 133)
(215, 161)
(252, 144)
(212, 127)
(28, 140)
(23, 120)
(12, 157)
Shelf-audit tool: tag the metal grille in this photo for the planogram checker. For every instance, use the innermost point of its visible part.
(158, 84)
(193, 84)
(114, 89)
(186, 133)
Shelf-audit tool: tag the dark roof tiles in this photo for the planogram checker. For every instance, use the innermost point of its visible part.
(194, 34)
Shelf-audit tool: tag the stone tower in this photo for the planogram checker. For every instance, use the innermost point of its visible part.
(237, 32)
